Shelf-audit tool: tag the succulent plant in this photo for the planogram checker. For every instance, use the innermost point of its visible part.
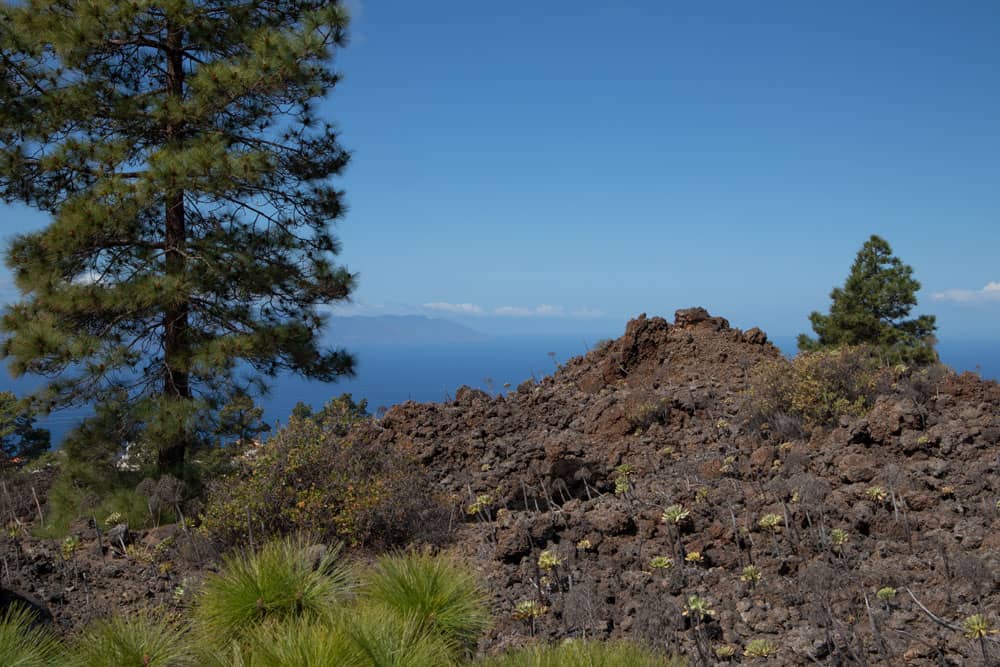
(770, 522)
(760, 648)
(661, 563)
(547, 560)
(675, 514)
(750, 575)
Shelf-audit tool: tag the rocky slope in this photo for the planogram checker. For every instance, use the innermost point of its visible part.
(583, 465)
(629, 495)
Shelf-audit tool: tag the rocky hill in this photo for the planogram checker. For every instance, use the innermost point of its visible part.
(631, 495)
(788, 541)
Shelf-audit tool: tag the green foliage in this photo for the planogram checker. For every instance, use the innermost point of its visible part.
(288, 605)
(19, 439)
(770, 522)
(137, 641)
(311, 478)
(661, 563)
(25, 644)
(698, 608)
(438, 592)
(675, 514)
(381, 640)
(977, 627)
(838, 538)
(886, 594)
(338, 414)
(241, 419)
(750, 575)
(816, 387)
(176, 148)
(283, 581)
(85, 492)
(760, 648)
(871, 308)
(579, 653)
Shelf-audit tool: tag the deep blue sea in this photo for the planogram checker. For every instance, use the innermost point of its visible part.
(390, 374)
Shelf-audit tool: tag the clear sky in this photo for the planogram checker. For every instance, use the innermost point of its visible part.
(562, 166)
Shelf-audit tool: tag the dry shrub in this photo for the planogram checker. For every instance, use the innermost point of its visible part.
(312, 478)
(816, 388)
(645, 412)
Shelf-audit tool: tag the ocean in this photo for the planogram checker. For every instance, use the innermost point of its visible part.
(391, 374)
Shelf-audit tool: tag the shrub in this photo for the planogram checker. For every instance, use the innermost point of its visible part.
(441, 594)
(82, 491)
(816, 387)
(311, 478)
(284, 580)
(25, 643)
(644, 414)
(139, 641)
(577, 653)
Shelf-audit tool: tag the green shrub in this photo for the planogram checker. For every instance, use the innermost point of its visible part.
(285, 580)
(816, 387)
(577, 653)
(81, 491)
(25, 644)
(312, 478)
(440, 594)
(138, 641)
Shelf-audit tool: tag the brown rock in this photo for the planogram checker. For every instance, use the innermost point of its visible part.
(856, 468)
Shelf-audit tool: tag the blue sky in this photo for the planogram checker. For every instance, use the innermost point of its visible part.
(561, 166)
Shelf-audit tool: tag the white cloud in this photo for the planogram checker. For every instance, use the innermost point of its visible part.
(588, 313)
(543, 310)
(991, 292)
(454, 308)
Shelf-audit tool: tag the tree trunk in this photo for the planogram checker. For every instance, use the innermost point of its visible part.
(176, 382)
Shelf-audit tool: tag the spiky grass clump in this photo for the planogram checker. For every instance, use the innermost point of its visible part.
(140, 641)
(576, 653)
(23, 643)
(437, 592)
(364, 637)
(283, 581)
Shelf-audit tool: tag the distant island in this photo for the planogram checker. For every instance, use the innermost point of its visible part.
(398, 330)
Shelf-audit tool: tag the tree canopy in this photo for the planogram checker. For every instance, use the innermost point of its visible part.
(20, 440)
(873, 308)
(176, 146)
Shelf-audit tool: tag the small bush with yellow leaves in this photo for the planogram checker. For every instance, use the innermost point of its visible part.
(315, 477)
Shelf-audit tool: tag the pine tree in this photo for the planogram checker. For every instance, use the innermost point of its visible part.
(872, 307)
(175, 145)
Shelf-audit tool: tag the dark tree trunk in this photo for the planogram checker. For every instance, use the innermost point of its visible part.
(176, 380)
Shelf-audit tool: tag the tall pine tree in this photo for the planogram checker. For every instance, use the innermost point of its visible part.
(175, 145)
(873, 307)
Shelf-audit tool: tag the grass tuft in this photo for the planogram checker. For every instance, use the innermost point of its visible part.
(437, 592)
(140, 641)
(23, 643)
(284, 581)
(579, 653)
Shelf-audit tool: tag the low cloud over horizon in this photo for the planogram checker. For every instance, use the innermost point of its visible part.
(989, 293)
(454, 308)
(541, 310)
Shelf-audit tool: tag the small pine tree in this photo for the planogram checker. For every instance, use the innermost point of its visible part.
(872, 308)
(176, 148)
